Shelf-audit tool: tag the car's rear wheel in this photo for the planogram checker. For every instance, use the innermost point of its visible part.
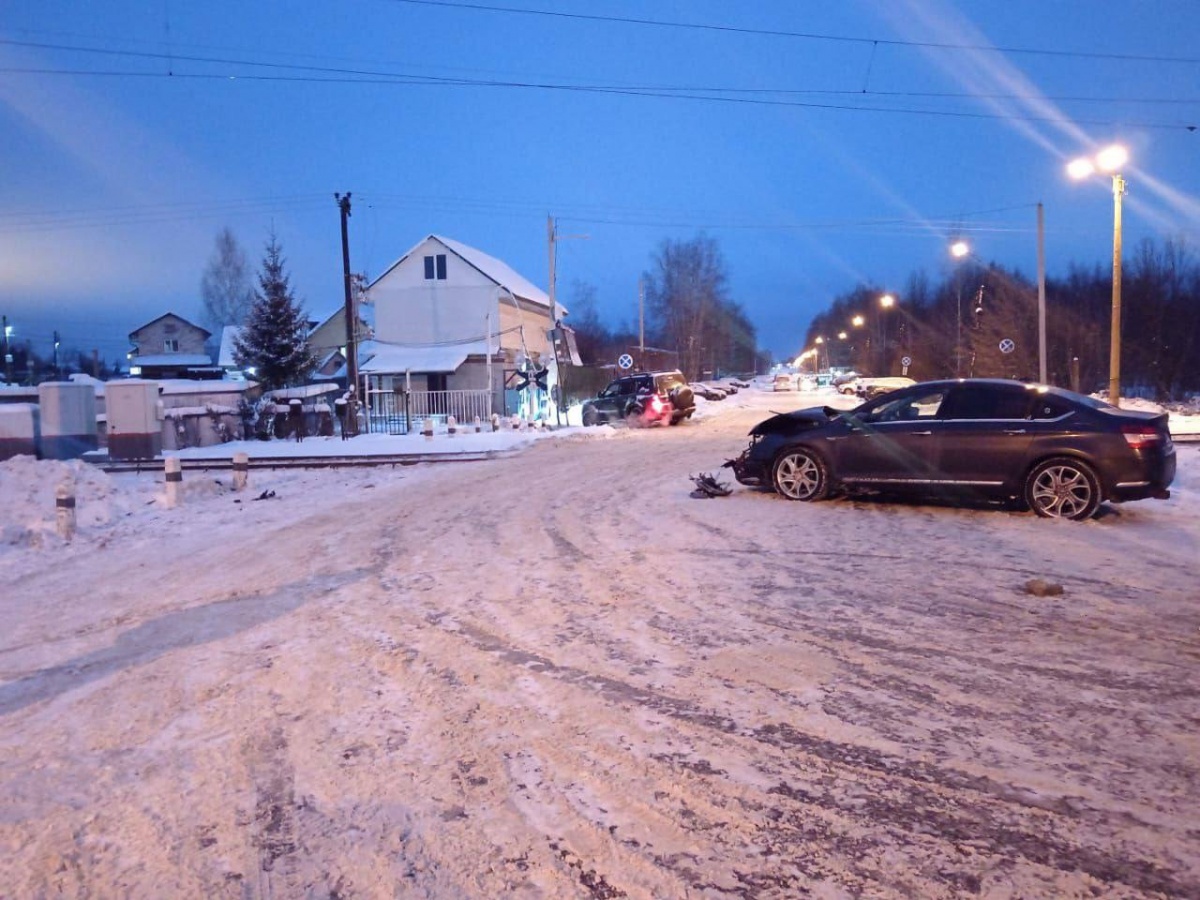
(590, 416)
(800, 475)
(1063, 488)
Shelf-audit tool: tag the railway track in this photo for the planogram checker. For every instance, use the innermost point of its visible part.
(301, 462)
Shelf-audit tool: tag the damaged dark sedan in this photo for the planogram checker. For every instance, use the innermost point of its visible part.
(1057, 452)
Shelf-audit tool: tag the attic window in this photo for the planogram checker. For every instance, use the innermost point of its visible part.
(435, 266)
(171, 345)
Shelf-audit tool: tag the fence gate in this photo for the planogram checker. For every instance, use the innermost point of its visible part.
(402, 412)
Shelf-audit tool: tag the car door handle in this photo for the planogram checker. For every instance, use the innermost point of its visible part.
(1014, 431)
(921, 433)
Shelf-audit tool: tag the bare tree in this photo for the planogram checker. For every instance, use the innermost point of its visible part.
(225, 289)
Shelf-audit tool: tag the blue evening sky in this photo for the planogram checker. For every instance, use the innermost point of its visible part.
(134, 131)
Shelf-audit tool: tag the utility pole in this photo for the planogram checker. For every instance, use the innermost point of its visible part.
(641, 320)
(7, 353)
(343, 202)
(56, 342)
(1041, 289)
(551, 238)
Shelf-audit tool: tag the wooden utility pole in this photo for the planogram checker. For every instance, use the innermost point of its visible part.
(343, 202)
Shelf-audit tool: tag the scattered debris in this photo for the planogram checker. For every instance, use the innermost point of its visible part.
(708, 486)
(1040, 588)
(265, 495)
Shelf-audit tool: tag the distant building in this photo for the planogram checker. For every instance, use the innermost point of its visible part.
(170, 347)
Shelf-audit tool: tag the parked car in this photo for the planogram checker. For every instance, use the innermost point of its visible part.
(647, 398)
(1057, 452)
(708, 391)
(783, 382)
(870, 388)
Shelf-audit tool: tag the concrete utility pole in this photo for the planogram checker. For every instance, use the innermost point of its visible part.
(551, 237)
(343, 202)
(641, 318)
(7, 354)
(1041, 289)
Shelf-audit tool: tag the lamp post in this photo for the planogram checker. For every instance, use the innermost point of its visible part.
(886, 302)
(959, 250)
(820, 341)
(1110, 160)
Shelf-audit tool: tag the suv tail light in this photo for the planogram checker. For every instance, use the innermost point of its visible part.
(1139, 437)
(656, 404)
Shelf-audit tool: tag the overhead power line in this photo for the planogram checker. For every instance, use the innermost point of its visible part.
(802, 35)
(359, 76)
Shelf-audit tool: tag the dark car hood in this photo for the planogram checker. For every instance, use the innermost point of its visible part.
(798, 420)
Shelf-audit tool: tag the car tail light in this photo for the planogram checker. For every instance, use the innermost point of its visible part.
(1140, 437)
(656, 404)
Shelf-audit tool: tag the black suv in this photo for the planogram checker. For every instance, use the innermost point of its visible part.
(648, 398)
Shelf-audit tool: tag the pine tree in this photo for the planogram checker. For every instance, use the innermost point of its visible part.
(275, 340)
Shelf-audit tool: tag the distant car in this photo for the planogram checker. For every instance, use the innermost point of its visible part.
(647, 398)
(870, 388)
(707, 391)
(1058, 452)
(783, 382)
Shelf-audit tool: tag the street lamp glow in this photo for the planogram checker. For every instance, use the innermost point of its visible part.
(1080, 168)
(887, 301)
(1112, 158)
(959, 249)
(819, 340)
(857, 321)
(841, 335)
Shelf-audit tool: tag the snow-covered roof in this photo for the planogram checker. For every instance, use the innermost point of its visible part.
(499, 272)
(225, 358)
(171, 315)
(304, 391)
(377, 357)
(172, 359)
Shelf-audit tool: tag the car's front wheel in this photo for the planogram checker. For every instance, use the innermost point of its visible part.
(590, 416)
(1063, 488)
(800, 475)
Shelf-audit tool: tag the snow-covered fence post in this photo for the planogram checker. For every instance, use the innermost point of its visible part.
(451, 425)
(516, 423)
(495, 421)
(241, 471)
(174, 475)
(427, 429)
(64, 511)
(478, 426)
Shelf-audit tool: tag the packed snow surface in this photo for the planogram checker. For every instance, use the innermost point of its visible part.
(559, 674)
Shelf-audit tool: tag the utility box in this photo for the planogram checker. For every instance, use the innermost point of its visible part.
(68, 419)
(134, 419)
(18, 430)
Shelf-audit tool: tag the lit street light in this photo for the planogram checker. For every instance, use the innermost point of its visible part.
(959, 250)
(1109, 160)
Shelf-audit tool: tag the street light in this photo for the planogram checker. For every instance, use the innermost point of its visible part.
(1109, 160)
(886, 302)
(959, 250)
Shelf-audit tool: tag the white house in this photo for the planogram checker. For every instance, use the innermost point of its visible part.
(449, 318)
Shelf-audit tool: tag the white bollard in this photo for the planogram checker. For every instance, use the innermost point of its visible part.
(478, 426)
(64, 510)
(174, 475)
(495, 421)
(241, 471)
(427, 429)
(451, 425)
(516, 423)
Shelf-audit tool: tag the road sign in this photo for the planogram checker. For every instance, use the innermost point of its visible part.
(1007, 345)
(625, 361)
(907, 361)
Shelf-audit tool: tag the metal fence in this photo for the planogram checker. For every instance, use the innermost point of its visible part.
(397, 412)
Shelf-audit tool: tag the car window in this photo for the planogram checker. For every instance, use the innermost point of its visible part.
(923, 405)
(982, 401)
(1047, 406)
(627, 386)
(612, 390)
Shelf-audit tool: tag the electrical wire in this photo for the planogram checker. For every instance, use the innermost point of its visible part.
(803, 35)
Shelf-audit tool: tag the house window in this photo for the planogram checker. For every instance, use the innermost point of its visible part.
(171, 345)
(435, 267)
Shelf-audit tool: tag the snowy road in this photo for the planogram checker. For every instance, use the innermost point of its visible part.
(559, 675)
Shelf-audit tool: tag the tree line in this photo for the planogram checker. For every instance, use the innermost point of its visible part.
(687, 312)
(981, 320)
